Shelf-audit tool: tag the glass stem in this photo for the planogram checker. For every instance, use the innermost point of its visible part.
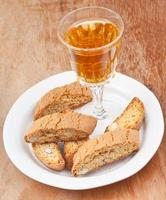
(97, 91)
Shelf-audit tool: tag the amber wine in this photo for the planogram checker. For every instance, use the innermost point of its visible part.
(92, 63)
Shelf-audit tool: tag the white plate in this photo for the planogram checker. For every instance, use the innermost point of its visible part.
(117, 95)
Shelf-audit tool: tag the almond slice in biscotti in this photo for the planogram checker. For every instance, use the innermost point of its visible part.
(131, 117)
(70, 96)
(107, 148)
(50, 155)
(65, 126)
(70, 148)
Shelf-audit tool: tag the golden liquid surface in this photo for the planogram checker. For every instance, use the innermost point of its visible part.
(93, 66)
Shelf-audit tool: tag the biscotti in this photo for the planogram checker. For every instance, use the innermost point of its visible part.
(65, 126)
(105, 149)
(50, 155)
(70, 148)
(70, 96)
(131, 117)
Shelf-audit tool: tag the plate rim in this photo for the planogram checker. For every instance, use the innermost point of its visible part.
(89, 184)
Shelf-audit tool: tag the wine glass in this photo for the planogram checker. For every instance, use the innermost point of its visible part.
(92, 36)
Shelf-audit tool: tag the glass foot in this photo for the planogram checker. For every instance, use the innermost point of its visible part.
(100, 113)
